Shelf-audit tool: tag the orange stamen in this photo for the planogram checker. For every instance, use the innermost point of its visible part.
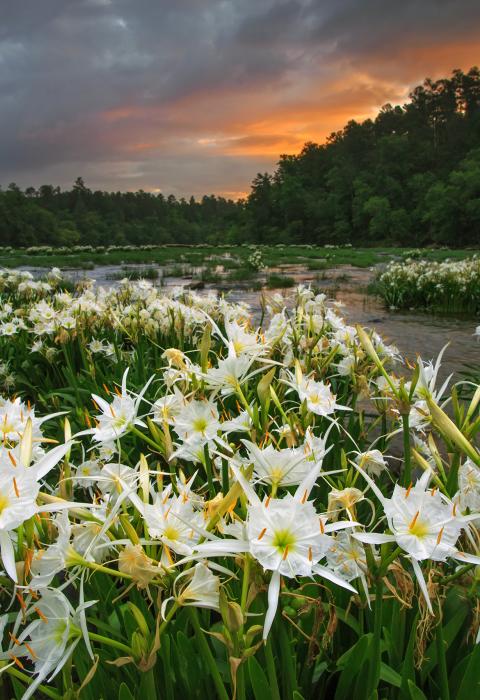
(17, 661)
(310, 555)
(12, 459)
(305, 496)
(262, 533)
(440, 536)
(15, 486)
(14, 639)
(118, 392)
(107, 390)
(34, 656)
(414, 520)
(285, 554)
(167, 552)
(408, 490)
(322, 529)
(40, 614)
(267, 502)
(23, 605)
(28, 561)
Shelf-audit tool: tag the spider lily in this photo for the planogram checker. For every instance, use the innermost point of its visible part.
(174, 521)
(423, 522)
(317, 395)
(50, 639)
(199, 588)
(116, 418)
(19, 489)
(285, 467)
(198, 421)
(286, 536)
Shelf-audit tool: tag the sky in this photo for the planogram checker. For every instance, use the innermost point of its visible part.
(198, 96)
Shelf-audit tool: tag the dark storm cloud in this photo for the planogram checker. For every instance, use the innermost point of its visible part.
(197, 95)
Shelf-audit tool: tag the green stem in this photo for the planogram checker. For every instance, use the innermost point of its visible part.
(241, 682)
(386, 563)
(148, 684)
(208, 468)
(110, 642)
(103, 569)
(452, 481)
(207, 655)
(26, 679)
(457, 574)
(407, 476)
(245, 582)
(225, 480)
(271, 672)
(149, 441)
(375, 658)
(442, 663)
(168, 617)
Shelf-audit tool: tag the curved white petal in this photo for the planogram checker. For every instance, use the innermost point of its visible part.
(273, 593)
(8, 555)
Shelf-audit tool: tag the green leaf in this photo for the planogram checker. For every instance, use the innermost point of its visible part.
(258, 679)
(470, 685)
(351, 662)
(388, 675)
(415, 692)
(408, 670)
(124, 693)
(450, 631)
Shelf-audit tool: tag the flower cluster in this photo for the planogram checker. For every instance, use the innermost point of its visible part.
(446, 286)
(194, 463)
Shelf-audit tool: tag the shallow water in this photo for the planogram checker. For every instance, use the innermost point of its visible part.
(414, 333)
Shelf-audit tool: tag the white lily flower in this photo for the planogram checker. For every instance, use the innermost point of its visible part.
(198, 421)
(285, 467)
(201, 589)
(19, 489)
(174, 520)
(372, 461)
(117, 417)
(317, 395)
(50, 639)
(423, 522)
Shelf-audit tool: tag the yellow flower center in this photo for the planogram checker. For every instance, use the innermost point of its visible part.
(4, 502)
(171, 533)
(418, 528)
(283, 540)
(200, 425)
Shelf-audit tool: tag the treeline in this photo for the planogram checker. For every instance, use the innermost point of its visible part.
(411, 176)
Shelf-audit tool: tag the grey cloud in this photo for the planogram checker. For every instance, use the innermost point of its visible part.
(183, 71)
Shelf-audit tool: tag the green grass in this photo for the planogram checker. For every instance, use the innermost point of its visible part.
(313, 257)
(148, 273)
(275, 281)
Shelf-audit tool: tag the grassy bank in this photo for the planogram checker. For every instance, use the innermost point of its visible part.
(228, 256)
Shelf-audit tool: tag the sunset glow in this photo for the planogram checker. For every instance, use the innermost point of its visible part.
(196, 97)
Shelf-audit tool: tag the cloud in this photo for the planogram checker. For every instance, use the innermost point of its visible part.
(197, 96)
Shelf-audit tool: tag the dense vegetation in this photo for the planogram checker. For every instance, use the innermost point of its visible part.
(281, 513)
(411, 176)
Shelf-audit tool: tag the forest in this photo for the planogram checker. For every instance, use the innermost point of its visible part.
(411, 176)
